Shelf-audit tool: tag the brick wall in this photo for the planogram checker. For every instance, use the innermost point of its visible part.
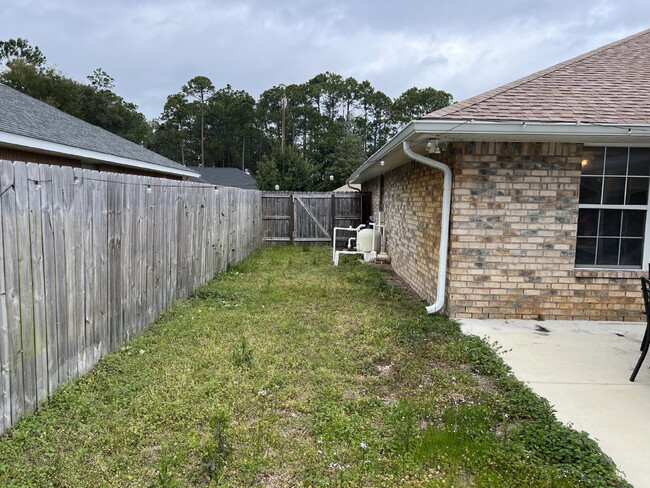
(513, 230)
(412, 202)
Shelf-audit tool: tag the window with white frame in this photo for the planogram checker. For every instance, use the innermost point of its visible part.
(613, 207)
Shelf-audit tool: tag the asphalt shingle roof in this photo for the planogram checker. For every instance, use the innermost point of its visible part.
(226, 177)
(23, 115)
(607, 85)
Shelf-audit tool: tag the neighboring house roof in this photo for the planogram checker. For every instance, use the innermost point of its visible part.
(355, 187)
(226, 177)
(29, 124)
(601, 97)
(606, 85)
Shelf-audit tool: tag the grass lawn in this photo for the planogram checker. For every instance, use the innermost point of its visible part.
(287, 371)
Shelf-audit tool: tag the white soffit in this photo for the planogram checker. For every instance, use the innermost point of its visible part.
(419, 131)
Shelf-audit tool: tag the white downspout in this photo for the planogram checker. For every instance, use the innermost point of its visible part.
(444, 226)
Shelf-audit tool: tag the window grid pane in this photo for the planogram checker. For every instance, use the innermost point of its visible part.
(613, 237)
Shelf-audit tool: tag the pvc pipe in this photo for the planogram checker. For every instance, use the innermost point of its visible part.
(444, 225)
(335, 253)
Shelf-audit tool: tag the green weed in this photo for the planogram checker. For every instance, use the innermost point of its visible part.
(165, 477)
(242, 356)
(217, 451)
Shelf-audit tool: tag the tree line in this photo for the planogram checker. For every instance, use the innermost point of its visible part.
(301, 137)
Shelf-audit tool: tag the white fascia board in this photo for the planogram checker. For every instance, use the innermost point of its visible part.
(28, 143)
(394, 143)
(471, 130)
(579, 132)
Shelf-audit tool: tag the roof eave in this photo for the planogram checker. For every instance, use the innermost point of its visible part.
(449, 130)
(32, 144)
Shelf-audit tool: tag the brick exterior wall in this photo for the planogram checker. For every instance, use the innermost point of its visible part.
(513, 233)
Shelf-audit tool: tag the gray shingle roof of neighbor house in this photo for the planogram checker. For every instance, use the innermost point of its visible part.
(607, 85)
(227, 177)
(601, 97)
(30, 124)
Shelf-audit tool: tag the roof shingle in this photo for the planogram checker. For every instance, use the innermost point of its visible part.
(226, 177)
(23, 115)
(607, 85)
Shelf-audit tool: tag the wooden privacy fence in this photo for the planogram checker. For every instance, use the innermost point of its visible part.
(89, 259)
(308, 218)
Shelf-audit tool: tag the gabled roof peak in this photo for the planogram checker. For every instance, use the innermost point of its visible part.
(606, 85)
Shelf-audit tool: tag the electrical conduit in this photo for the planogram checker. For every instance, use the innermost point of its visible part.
(444, 226)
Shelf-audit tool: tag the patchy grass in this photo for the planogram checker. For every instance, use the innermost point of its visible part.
(287, 371)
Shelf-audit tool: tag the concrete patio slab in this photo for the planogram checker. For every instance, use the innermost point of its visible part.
(583, 369)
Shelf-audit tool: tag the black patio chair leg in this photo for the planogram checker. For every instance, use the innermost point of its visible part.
(645, 343)
(638, 364)
(646, 339)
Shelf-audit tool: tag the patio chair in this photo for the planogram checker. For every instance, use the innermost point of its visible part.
(645, 289)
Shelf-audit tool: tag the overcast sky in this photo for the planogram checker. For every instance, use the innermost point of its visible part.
(465, 47)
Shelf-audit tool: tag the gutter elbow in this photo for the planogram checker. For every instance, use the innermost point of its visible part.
(444, 225)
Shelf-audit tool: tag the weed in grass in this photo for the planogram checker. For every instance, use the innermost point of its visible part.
(477, 353)
(551, 442)
(217, 451)
(165, 478)
(459, 439)
(402, 417)
(268, 281)
(245, 266)
(210, 293)
(242, 356)
(522, 404)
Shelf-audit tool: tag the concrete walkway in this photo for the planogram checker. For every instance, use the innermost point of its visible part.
(583, 369)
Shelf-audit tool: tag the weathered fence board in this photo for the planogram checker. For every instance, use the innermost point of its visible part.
(49, 280)
(12, 297)
(5, 384)
(59, 290)
(88, 259)
(38, 280)
(309, 217)
(27, 351)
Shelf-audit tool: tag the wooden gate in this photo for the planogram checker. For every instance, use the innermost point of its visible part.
(307, 218)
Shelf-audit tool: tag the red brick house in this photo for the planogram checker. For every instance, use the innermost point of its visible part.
(33, 131)
(546, 210)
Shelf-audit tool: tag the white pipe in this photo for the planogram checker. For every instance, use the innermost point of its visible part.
(335, 253)
(444, 226)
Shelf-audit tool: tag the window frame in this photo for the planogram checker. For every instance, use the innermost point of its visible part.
(645, 253)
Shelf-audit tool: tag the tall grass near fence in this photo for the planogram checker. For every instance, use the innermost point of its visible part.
(88, 259)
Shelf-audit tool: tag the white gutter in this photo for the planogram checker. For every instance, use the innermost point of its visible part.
(444, 225)
(29, 143)
(449, 130)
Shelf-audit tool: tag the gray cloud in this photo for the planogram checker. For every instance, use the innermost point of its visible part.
(152, 47)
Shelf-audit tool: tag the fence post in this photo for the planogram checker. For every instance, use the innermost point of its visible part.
(333, 222)
(292, 219)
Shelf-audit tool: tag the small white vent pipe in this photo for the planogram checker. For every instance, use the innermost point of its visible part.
(444, 225)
